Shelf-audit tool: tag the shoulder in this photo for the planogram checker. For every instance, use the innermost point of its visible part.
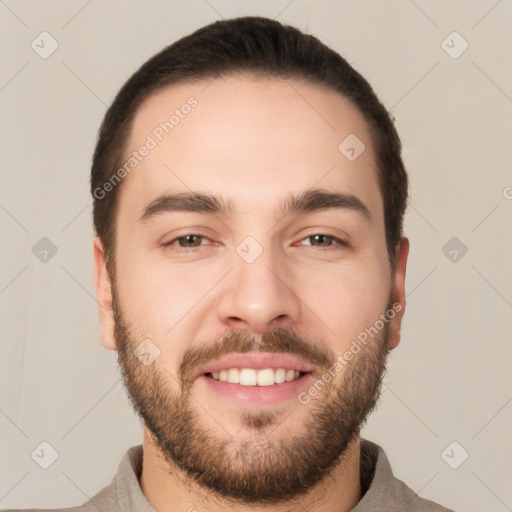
(412, 502)
(122, 493)
(103, 501)
(386, 491)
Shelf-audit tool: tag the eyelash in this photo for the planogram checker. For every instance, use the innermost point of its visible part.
(341, 244)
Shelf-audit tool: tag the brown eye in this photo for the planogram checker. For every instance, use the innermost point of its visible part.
(185, 243)
(324, 241)
(190, 240)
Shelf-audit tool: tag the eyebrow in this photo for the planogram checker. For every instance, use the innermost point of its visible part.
(311, 200)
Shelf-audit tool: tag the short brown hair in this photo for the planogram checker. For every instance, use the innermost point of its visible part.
(257, 46)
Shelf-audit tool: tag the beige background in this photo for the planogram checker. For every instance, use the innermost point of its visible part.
(450, 378)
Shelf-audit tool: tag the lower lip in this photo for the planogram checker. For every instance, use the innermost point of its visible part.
(258, 395)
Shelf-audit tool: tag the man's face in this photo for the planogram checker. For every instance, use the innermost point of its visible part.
(290, 291)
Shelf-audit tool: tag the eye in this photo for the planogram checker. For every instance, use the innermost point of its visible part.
(193, 241)
(325, 241)
(186, 243)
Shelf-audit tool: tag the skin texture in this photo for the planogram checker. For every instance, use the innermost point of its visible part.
(252, 142)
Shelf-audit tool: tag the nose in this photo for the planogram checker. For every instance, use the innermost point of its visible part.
(259, 296)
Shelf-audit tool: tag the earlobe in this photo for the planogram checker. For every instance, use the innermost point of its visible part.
(398, 293)
(103, 287)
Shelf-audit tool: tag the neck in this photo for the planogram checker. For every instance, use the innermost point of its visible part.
(168, 488)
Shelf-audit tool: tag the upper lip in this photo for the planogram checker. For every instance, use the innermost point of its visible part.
(258, 361)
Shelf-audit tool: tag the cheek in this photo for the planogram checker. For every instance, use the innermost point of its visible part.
(160, 297)
(348, 299)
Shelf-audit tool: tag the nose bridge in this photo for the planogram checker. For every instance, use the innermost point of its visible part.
(257, 295)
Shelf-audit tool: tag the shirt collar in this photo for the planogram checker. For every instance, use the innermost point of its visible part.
(376, 478)
(129, 495)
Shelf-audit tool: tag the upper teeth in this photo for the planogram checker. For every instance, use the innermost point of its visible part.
(251, 377)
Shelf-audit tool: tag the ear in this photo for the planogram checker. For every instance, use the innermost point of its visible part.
(398, 293)
(103, 288)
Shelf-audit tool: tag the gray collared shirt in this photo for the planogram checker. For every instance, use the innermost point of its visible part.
(384, 492)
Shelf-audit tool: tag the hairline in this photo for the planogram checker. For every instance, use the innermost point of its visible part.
(148, 93)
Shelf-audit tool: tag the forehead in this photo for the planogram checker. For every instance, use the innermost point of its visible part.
(251, 141)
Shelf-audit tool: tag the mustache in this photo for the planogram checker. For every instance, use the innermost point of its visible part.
(279, 340)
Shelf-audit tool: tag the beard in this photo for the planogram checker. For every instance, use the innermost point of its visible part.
(260, 468)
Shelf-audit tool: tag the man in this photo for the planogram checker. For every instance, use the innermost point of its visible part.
(250, 270)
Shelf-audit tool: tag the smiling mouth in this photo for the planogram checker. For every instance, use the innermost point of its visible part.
(253, 377)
